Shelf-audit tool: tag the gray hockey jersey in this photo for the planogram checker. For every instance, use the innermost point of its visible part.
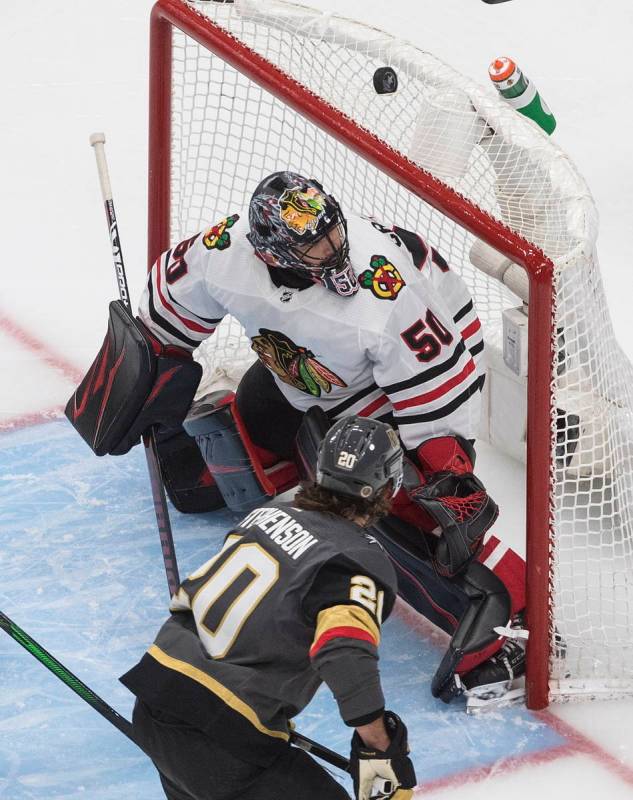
(294, 598)
(405, 348)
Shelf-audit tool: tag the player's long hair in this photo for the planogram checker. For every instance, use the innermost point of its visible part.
(311, 497)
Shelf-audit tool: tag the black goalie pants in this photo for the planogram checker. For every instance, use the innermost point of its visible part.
(272, 423)
(193, 766)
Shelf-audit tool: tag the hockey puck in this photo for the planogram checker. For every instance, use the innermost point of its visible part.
(385, 80)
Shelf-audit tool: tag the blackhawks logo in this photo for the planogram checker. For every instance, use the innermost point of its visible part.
(300, 211)
(218, 237)
(384, 280)
(292, 364)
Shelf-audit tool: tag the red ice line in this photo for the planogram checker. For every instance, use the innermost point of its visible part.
(35, 418)
(501, 767)
(576, 743)
(38, 347)
(54, 360)
(582, 744)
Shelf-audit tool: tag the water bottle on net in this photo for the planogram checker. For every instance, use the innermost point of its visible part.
(521, 93)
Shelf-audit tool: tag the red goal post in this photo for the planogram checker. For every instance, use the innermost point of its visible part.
(218, 39)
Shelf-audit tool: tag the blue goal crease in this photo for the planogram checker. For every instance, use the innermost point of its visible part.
(81, 571)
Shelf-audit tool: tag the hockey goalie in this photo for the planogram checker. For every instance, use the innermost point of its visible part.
(346, 315)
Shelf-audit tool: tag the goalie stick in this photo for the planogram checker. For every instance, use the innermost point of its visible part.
(97, 141)
(113, 717)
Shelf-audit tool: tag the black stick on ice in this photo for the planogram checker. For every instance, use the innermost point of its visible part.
(97, 140)
(109, 713)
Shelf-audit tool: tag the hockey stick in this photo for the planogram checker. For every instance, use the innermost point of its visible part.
(97, 140)
(72, 681)
(310, 746)
(106, 711)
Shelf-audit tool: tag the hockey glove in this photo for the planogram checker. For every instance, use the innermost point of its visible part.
(381, 775)
(463, 510)
(135, 382)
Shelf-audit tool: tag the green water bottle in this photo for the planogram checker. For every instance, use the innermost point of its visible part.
(521, 93)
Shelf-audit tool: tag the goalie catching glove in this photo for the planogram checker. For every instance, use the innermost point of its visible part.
(383, 775)
(457, 500)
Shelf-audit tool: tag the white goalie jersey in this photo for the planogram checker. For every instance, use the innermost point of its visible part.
(404, 349)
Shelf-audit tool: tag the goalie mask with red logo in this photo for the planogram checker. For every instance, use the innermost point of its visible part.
(295, 225)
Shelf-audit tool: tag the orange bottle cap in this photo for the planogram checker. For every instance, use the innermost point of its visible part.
(501, 69)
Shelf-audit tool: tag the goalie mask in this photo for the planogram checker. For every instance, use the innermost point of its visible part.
(295, 225)
(358, 457)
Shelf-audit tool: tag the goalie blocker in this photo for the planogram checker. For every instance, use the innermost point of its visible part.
(135, 382)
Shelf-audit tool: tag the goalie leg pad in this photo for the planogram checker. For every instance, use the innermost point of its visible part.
(490, 607)
(186, 477)
(438, 599)
(468, 606)
(509, 567)
(237, 466)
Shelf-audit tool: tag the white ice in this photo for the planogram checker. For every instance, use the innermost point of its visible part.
(71, 68)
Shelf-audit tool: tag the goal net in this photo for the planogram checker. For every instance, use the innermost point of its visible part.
(243, 89)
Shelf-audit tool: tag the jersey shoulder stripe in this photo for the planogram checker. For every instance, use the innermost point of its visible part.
(439, 260)
(414, 243)
(190, 324)
(213, 322)
(164, 325)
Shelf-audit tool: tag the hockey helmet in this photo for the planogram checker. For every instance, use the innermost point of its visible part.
(288, 215)
(358, 457)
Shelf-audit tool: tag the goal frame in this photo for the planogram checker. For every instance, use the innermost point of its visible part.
(167, 14)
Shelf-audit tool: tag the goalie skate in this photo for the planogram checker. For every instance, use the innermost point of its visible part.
(492, 696)
(498, 682)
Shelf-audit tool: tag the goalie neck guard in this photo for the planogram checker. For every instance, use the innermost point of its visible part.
(295, 225)
(358, 457)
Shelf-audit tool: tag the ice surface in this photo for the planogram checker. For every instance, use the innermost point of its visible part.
(82, 574)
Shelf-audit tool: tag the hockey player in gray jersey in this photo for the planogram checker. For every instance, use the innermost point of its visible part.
(296, 596)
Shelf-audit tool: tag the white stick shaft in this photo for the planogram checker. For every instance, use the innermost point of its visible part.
(97, 140)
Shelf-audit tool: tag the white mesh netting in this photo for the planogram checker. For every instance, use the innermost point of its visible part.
(227, 133)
